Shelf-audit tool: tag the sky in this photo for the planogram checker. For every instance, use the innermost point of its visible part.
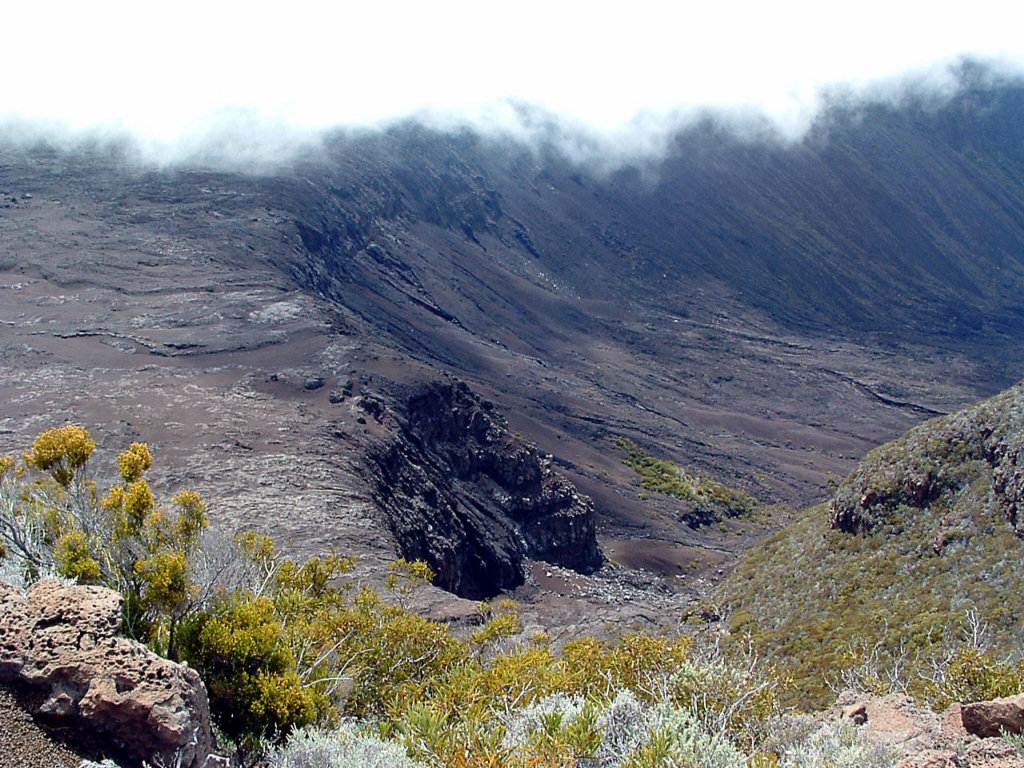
(167, 70)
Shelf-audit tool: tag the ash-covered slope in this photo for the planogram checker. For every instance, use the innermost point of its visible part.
(899, 219)
(703, 302)
(757, 310)
(922, 535)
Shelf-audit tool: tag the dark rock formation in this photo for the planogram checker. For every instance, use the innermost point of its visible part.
(1008, 477)
(63, 647)
(462, 493)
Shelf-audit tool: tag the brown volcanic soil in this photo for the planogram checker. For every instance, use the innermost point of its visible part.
(217, 315)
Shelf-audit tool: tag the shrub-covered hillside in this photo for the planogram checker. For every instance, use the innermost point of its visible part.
(923, 538)
(306, 667)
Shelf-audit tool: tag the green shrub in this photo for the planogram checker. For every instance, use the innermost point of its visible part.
(559, 726)
(970, 674)
(708, 499)
(733, 696)
(1016, 740)
(250, 672)
(676, 737)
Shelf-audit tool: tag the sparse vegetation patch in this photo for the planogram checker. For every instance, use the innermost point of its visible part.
(706, 500)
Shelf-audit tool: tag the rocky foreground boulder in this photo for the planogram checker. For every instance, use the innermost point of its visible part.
(964, 736)
(62, 647)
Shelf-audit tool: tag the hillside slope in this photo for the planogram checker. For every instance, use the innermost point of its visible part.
(924, 534)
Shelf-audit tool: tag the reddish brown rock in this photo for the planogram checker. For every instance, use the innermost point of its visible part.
(895, 721)
(990, 718)
(953, 723)
(990, 753)
(915, 733)
(65, 644)
(930, 758)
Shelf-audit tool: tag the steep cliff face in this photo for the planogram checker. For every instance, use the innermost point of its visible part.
(468, 497)
(912, 206)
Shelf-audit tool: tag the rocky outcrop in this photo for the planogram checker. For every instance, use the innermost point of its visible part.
(964, 458)
(992, 718)
(468, 497)
(925, 739)
(62, 647)
(894, 721)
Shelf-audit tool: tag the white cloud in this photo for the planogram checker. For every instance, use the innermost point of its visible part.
(162, 68)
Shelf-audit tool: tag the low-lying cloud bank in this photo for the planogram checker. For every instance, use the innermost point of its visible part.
(246, 140)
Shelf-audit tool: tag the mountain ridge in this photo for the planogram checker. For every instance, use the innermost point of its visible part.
(920, 539)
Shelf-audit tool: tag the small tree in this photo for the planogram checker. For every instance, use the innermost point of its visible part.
(152, 549)
(125, 540)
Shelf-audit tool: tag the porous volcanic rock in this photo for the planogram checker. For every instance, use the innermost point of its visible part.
(468, 497)
(63, 645)
(991, 718)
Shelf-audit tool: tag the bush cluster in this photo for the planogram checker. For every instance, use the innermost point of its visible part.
(708, 499)
(567, 731)
(304, 668)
